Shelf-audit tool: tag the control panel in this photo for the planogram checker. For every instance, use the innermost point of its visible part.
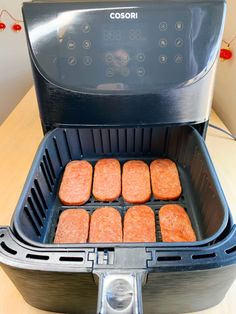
(121, 54)
(124, 48)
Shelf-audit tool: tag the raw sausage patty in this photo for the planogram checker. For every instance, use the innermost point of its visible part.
(76, 183)
(136, 186)
(175, 224)
(139, 224)
(105, 225)
(107, 180)
(165, 180)
(72, 227)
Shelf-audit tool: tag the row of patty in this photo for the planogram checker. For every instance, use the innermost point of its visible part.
(135, 181)
(105, 225)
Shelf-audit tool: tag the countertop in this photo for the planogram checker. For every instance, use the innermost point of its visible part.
(20, 136)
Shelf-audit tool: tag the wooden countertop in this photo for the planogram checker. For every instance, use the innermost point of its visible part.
(20, 136)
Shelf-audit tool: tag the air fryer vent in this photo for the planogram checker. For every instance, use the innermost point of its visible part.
(8, 249)
(71, 259)
(33, 209)
(158, 229)
(231, 250)
(201, 256)
(112, 141)
(67, 144)
(33, 221)
(37, 257)
(57, 151)
(40, 194)
(46, 176)
(38, 203)
(168, 258)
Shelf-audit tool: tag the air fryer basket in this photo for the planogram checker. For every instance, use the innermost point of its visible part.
(63, 278)
(37, 213)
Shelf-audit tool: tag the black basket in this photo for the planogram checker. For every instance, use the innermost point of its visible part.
(36, 215)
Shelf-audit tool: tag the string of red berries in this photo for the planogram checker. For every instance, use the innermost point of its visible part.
(226, 53)
(17, 24)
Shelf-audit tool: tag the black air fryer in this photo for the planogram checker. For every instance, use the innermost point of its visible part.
(129, 80)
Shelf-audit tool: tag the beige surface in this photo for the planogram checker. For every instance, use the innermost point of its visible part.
(19, 138)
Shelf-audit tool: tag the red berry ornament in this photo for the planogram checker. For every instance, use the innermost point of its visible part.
(2, 26)
(16, 27)
(226, 54)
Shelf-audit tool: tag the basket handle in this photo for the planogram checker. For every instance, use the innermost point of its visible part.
(120, 292)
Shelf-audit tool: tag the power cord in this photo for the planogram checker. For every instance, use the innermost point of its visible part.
(222, 130)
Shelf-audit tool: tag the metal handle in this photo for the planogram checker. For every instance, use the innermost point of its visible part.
(120, 292)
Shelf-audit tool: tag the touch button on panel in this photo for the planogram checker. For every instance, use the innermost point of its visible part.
(179, 42)
(163, 59)
(109, 57)
(140, 71)
(124, 59)
(178, 58)
(109, 72)
(179, 25)
(163, 26)
(87, 60)
(85, 28)
(163, 42)
(71, 44)
(86, 44)
(72, 60)
(140, 57)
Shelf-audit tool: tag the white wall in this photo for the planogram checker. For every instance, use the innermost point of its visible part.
(225, 88)
(15, 72)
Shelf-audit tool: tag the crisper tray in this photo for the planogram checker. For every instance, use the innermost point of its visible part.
(122, 206)
(36, 216)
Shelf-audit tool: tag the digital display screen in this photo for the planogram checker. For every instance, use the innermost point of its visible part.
(125, 36)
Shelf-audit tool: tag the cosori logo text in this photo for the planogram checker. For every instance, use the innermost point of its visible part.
(124, 15)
